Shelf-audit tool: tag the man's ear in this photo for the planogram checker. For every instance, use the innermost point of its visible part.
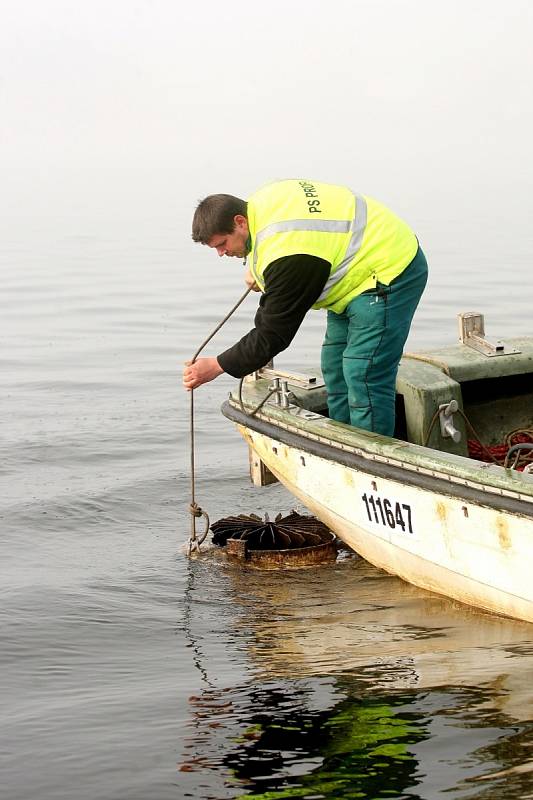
(240, 221)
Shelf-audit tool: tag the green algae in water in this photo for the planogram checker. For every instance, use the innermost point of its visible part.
(363, 746)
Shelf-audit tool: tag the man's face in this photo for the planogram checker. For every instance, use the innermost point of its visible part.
(234, 243)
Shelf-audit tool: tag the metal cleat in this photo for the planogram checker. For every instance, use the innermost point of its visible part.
(472, 334)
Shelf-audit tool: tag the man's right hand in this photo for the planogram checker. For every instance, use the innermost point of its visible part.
(200, 371)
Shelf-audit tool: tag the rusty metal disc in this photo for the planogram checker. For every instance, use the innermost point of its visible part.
(294, 540)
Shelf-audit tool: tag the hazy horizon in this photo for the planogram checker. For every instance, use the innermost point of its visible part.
(424, 106)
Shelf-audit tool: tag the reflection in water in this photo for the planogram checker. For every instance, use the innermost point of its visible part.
(359, 686)
(359, 748)
(334, 739)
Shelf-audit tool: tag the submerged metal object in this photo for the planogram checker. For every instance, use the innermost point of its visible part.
(290, 541)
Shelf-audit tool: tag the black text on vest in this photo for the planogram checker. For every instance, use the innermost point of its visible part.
(313, 201)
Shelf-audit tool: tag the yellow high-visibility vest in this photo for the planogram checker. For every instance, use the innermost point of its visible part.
(362, 239)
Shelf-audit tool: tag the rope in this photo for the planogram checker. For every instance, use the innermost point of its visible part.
(499, 454)
(220, 324)
(521, 460)
(261, 404)
(194, 509)
(523, 441)
(428, 360)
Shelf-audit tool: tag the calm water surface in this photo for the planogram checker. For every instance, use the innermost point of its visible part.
(130, 672)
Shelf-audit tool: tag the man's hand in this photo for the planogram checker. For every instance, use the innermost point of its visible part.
(202, 371)
(250, 281)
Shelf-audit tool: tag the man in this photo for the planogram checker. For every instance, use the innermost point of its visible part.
(317, 245)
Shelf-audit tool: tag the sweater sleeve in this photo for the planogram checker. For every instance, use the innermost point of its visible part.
(292, 285)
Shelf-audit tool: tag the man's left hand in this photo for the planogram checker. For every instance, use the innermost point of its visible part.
(250, 281)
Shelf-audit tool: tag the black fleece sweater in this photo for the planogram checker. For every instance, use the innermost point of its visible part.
(292, 285)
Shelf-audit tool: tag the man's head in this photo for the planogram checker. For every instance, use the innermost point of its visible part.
(220, 221)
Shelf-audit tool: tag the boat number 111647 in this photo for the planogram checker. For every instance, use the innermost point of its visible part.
(388, 513)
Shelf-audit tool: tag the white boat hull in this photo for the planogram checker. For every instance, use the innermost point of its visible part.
(467, 551)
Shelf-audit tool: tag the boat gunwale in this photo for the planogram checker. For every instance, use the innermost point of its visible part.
(384, 466)
(449, 466)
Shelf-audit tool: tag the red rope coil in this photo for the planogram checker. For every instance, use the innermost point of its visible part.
(499, 451)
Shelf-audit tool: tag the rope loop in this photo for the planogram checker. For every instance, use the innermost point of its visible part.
(194, 540)
(195, 510)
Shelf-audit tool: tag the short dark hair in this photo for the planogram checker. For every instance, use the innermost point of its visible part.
(215, 214)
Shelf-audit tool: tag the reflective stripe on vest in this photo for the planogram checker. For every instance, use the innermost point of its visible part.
(356, 227)
(358, 231)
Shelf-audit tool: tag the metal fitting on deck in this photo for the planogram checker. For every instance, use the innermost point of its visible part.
(472, 333)
(447, 423)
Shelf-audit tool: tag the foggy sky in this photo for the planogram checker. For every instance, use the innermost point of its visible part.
(408, 101)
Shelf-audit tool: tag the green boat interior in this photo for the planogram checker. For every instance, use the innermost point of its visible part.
(467, 400)
(494, 396)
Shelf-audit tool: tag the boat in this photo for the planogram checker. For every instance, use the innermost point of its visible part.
(432, 505)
